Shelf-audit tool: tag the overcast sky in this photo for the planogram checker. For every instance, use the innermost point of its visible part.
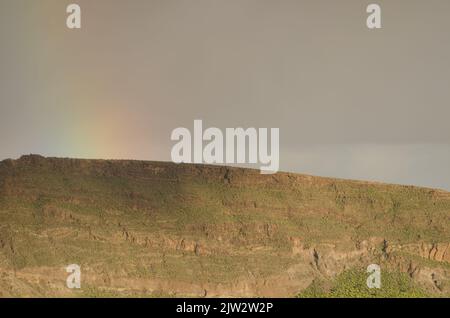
(350, 102)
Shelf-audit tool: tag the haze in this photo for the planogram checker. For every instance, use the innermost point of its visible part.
(350, 102)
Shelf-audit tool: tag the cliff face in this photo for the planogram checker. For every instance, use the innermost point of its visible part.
(160, 229)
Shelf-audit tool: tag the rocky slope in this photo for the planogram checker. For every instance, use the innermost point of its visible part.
(159, 229)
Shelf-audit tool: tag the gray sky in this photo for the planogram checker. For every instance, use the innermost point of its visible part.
(350, 102)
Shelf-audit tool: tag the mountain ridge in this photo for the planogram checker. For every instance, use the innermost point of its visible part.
(37, 157)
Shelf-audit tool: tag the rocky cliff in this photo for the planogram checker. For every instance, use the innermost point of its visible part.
(159, 229)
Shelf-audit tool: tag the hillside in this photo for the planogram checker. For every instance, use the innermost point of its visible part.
(158, 229)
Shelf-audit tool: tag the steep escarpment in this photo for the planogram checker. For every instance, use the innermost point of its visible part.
(159, 229)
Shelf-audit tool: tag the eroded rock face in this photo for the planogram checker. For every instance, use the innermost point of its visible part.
(439, 252)
(152, 228)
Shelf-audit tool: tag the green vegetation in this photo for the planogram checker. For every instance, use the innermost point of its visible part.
(352, 284)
